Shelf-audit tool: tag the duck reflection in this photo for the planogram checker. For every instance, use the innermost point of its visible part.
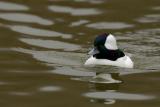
(106, 78)
(106, 91)
(105, 83)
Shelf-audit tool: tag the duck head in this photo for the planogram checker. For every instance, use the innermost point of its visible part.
(106, 52)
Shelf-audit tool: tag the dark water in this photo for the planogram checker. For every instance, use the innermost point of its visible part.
(43, 45)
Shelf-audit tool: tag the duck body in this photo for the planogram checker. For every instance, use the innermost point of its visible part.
(106, 52)
(125, 62)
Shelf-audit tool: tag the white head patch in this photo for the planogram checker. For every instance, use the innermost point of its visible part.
(111, 42)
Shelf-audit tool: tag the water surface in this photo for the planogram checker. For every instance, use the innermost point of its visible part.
(44, 43)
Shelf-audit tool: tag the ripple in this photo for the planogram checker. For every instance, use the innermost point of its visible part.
(38, 32)
(74, 11)
(144, 36)
(152, 18)
(72, 72)
(4, 83)
(53, 57)
(156, 8)
(4, 49)
(136, 71)
(140, 49)
(26, 18)
(51, 44)
(103, 78)
(117, 95)
(12, 6)
(49, 88)
(20, 93)
(65, 63)
(109, 25)
(78, 23)
(91, 1)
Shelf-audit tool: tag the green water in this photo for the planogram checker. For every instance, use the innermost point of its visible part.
(44, 43)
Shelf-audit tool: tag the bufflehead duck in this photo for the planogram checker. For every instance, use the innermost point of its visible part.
(106, 52)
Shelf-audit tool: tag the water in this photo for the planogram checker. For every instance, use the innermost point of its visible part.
(44, 43)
